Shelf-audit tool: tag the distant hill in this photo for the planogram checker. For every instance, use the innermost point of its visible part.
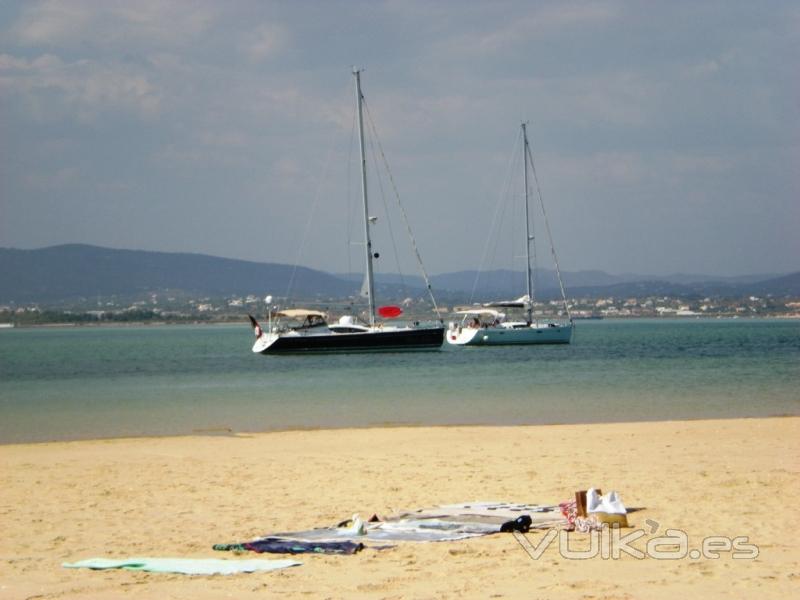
(498, 281)
(787, 285)
(75, 271)
(511, 284)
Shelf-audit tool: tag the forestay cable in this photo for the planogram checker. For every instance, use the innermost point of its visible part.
(501, 204)
(549, 236)
(313, 211)
(402, 211)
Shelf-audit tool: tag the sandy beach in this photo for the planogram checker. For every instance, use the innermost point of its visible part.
(177, 497)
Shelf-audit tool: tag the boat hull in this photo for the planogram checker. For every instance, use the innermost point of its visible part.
(504, 336)
(397, 340)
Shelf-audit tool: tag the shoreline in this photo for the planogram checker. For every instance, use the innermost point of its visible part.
(224, 432)
(244, 321)
(177, 496)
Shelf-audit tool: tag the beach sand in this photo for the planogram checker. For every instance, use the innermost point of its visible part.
(178, 496)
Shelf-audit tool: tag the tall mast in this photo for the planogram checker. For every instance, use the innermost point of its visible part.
(528, 237)
(367, 240)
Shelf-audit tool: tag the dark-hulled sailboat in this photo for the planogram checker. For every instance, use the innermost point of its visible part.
(312, 332)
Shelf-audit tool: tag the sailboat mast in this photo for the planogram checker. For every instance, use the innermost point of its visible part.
(528, 237)
(367, 240)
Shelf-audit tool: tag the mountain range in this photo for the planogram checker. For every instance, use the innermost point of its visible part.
(73, 272)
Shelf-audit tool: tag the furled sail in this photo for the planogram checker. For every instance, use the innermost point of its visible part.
(364, 293)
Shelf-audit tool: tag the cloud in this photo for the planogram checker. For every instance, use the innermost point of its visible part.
(220, 147)
(45, 61)
(543, 21)
(634, 168)
(623, 98)
(52, 22)
(548, 21)
(113, 22)
(51, 87)
(704, 164)
(631, 106)
(600, 168)
(702, 69)
(264, 42)
(59, 179)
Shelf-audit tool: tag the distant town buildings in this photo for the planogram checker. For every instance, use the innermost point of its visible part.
(235, 308)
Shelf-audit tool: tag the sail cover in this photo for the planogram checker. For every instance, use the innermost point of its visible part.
(521, 302)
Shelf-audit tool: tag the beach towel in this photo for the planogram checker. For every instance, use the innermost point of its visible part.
(484, 511)
(185, 566)
(445, 523)
(401, 530)
(276, 545)
(429, 530)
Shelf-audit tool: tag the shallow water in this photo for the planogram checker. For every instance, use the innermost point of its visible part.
(77, 383)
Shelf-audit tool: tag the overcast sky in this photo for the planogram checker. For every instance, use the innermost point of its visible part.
(666, 134)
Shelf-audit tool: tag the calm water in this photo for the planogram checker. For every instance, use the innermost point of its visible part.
(106, 382)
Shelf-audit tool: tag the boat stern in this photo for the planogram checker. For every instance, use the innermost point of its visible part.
(458, 335)
(264, 339)
(263, 343)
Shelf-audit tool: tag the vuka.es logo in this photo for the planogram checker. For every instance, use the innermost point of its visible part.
(609, 543)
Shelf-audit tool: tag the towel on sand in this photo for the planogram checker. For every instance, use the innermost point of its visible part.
(408, 530)
(278, 545)
(186, 566)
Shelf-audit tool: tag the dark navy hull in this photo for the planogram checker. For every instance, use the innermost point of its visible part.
(373, 341)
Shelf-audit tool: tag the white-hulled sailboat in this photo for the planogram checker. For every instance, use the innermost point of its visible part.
(311, 332)
(486, 326)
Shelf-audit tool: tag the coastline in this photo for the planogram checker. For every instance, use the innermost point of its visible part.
(227, 432)
(176, 496)
(244, 321)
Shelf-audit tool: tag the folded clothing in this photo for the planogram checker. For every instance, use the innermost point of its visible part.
(521, 524)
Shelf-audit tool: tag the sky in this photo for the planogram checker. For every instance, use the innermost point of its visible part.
(666, 135)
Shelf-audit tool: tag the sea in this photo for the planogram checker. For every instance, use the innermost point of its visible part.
(74, 383)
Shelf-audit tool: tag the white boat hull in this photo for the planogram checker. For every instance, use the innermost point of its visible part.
(507, 336)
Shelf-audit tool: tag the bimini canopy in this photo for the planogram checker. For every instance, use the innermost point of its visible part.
(300, 313)
(484, 312)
